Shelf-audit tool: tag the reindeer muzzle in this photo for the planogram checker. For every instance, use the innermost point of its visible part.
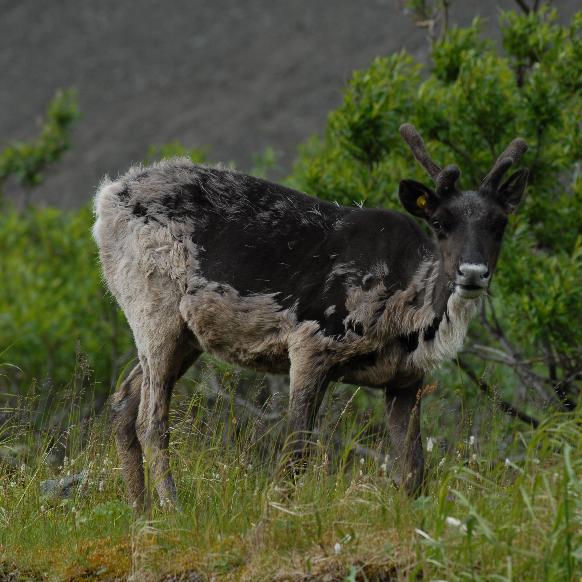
(472, 280)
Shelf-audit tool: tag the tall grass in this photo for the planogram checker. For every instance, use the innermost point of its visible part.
(486, 515)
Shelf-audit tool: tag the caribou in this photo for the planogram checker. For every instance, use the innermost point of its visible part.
(202, 259)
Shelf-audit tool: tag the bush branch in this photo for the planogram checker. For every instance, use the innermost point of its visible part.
(503, 404)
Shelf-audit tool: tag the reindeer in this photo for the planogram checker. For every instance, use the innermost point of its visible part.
(264, 277)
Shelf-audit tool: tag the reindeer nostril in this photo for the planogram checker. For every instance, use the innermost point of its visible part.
(460, 272)
(485, 275)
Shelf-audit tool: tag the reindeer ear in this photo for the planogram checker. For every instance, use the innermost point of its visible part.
(417, 198)
(511, 191)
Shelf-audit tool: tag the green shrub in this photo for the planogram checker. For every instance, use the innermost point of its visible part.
(53, 306)
(27, 160)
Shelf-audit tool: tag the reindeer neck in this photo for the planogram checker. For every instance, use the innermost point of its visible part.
(441, 290)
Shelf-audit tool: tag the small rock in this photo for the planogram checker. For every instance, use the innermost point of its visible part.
(65, 487)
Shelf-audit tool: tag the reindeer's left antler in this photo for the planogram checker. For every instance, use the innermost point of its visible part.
(512, 154)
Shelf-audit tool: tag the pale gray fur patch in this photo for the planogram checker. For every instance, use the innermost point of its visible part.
(345, 271)
(147, 185)
(449, 337)
(402, 316)
(329, 311)
(380, 270)
(146, 266)
(253, 330)
(236, 328)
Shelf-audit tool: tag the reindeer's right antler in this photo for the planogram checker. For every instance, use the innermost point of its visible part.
(512, 154)
(445, 178)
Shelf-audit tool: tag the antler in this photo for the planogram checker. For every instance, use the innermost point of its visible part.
(444, 178)
(512, 154)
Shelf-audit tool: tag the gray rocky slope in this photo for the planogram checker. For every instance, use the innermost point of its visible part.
(232, 75)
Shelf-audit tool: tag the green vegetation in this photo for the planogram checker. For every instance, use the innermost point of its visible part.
(26, 161)
(53, 306)
(504, 500)
(54, 311)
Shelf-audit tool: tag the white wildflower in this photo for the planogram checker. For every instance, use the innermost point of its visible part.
(507, 462)
(362, 460)
(22, 468)
(337, 548)
(471, 441)
(442, 462)
(383, 467)
(429, 444)
(101, 486)
(42, 508)
(454, 522)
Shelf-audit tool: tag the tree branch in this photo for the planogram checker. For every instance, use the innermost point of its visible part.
(503, 404)
(522, 369)
(560, 387)
(523, 6)
(247, 406)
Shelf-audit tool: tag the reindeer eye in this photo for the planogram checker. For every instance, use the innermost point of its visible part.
(437, 225)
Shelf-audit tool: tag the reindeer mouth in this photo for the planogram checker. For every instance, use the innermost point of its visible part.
(469, 291)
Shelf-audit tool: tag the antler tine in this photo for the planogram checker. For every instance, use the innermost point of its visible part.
(445, 181)
(416, 144)
(512, 154)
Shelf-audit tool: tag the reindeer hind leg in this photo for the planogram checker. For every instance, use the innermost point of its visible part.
(164, 363)
(124, 407)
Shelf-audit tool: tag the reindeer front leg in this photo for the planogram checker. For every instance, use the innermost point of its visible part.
(403, 397)
(307, 384)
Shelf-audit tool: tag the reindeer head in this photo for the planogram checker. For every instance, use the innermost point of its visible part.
(468, 225)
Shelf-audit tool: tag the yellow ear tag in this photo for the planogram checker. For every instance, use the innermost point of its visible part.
(422, 201)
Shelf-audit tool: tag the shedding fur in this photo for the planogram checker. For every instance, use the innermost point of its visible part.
(206, 259)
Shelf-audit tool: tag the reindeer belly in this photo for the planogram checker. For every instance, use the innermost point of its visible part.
(250, 331)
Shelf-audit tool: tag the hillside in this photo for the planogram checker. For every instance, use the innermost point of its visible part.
(236, 77)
